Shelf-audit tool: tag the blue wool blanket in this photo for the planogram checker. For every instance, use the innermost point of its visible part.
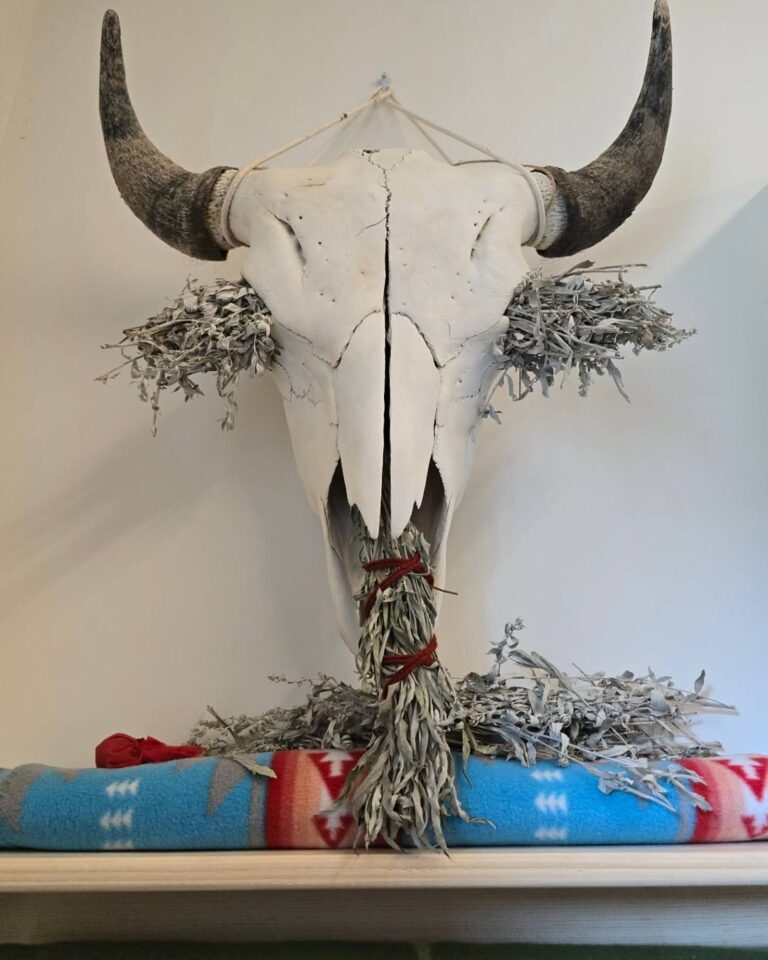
(214, 803)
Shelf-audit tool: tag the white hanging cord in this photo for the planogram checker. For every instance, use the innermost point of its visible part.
(333, 139)
(377, 97)
(523, 170)
(420, 127)
(384, 93)
(383, 85)
(384, 88)
(449, 133)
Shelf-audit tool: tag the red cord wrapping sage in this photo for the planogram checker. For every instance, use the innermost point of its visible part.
(401, 567)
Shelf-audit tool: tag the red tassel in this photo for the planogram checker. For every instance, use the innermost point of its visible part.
(122, 750)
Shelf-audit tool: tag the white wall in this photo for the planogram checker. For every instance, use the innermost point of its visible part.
(141, 579)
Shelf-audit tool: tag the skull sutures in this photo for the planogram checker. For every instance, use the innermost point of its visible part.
(387, 274)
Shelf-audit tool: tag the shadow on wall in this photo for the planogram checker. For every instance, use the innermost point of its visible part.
(728, 272)
(616, 503)
(142, 485)
(88, 518)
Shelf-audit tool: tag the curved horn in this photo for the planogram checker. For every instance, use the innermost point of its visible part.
(178, 206)
(596, 199)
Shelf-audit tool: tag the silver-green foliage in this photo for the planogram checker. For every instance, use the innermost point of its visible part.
(572, 322)
(557, 324)
(405, 782)
(223, 328)
(523, 708)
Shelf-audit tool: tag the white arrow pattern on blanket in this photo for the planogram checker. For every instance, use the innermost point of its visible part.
(336, 760)
(749, 766)
(552, 802)
(119, 819)
(551, 833)
(121, 787)
(547, 775)
(755, 816)
(334, 822)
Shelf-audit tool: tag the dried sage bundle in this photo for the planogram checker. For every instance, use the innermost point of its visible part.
(405, 782)
(223, 328)
(558, 324)
(523, 708)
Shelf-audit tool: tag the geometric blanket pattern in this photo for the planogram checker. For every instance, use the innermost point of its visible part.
(211, 803)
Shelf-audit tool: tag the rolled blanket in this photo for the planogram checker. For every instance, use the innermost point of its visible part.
(213, 803)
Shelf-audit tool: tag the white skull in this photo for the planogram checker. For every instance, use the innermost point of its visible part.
(387, 275)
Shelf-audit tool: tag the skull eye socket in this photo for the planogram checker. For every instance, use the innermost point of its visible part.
(293, 238)
(479, 237)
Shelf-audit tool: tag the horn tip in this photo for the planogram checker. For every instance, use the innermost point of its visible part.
(661, 10)
(110, 27)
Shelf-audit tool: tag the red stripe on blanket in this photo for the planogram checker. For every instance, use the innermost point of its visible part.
(300, 810)
(277, 827)
(737, 790)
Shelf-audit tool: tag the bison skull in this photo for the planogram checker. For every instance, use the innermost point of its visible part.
(387, 274)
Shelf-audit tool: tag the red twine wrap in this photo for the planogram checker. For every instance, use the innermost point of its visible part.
(421, 658)
(401, 567)
(122, 750)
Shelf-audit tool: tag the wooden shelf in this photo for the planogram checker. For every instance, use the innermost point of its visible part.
(716, 865)
(714, 894)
